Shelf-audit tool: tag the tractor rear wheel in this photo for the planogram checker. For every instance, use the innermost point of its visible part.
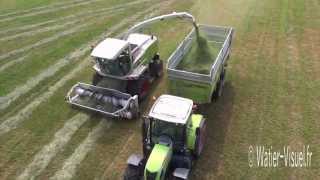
(132, 173)
(200, 138)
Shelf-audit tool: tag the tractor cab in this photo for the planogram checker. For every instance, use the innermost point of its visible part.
(166, 135)
(168, 120)
(172, 137)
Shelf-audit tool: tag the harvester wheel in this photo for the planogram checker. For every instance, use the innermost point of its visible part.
(156, 68)
(159, 68)
(139, 87)
(200, 138)
(132, 173)
(96, 79)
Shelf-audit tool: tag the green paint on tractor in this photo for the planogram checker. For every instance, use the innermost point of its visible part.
(191, 130)
(158, 160)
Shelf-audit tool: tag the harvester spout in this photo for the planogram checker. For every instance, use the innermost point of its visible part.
(143, 24)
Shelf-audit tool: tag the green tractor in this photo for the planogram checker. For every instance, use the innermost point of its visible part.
(173, 137)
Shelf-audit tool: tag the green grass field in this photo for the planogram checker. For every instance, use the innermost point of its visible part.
(271, 96)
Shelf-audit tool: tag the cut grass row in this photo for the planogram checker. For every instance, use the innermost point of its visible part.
(38, 119)
(37, 18)
(22, 71)
(270, 98)
(57, 21)
(9, 7)
(42, 85)
(41, 9)
(88, 35)
(50, 71)
(43, 59)
(67, 24)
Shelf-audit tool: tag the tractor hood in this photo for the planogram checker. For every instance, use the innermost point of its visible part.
(158, 159)
(109, 49)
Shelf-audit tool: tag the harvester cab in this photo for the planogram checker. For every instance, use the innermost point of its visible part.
(124, 68)
(118, 58)
(172, 137)
(112, 57)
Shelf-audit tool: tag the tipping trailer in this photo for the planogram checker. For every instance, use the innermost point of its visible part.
(200, 87)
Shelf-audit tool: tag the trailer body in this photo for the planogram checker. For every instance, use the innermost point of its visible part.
(196, 86)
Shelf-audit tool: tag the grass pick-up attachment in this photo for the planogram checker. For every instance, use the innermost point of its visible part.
(110, 102)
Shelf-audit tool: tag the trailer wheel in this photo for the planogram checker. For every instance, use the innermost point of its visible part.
(132, 173)
(200, 138)
(218, 92)
(96, 79)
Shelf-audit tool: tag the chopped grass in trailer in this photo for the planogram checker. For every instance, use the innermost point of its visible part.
(199, 58)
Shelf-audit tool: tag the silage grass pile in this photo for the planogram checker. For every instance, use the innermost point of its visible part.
(200, 56)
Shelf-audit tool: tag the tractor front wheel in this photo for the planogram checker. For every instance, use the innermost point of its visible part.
(132, 173)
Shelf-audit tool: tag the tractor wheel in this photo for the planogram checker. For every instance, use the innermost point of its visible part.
(96, 79)
(200, 139)
(218, 92)
(131, 173)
